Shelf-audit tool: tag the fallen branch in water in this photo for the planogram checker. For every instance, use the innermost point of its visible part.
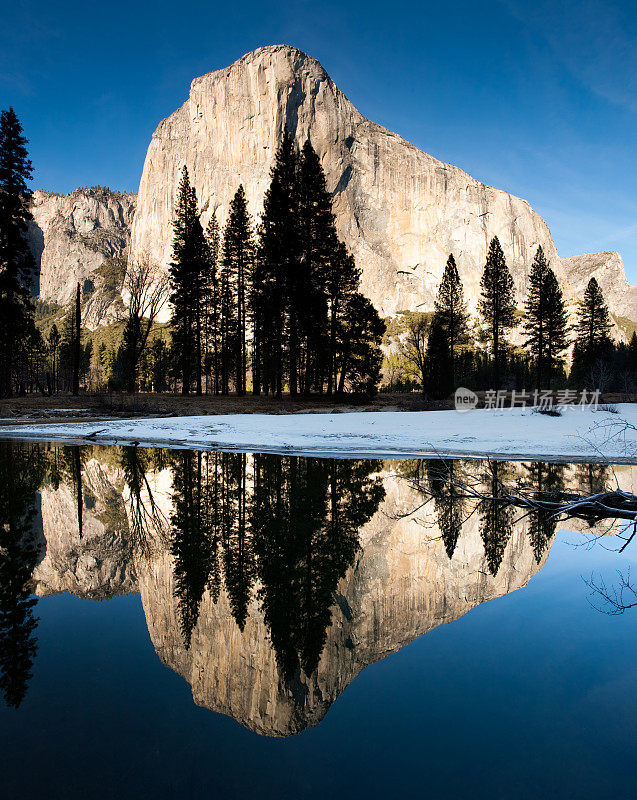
(607, 504)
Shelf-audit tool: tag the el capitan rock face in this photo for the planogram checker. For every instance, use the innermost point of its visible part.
(401, 586)
(400, 211)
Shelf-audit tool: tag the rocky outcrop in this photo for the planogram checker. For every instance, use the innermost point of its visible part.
(608, 269)
(72, 235)
(400, 211)
(92, 560)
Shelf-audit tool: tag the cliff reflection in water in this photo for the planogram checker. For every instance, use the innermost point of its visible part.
(268, 582)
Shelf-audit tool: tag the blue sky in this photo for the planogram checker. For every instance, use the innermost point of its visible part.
(537, 98)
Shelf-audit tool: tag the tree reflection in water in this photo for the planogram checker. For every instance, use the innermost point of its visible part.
(274, 533)
(21, 474)
(281, 529)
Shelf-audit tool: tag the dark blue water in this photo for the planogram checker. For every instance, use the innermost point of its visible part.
(530, 694)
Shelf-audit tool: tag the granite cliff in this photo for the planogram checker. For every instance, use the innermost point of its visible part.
(72, 235)
(399, 210)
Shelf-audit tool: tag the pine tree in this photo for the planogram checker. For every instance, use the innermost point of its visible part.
(309, 345)
(193, 543)
(189, 272)
(557, 328)
(545, 323)
(17, 266)
(497, 303)
(212, 311)
(77, 344)
(496, 518)
(358, 354)
(450, 319)
(237, 267)
(276, 273)
(54, 343)
(439, 378)
(593, 343)
(343, 278)
(593, 320)
(450, 502)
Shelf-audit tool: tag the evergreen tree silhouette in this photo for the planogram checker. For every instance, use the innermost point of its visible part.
(438, 371)
(236, 535)
(450, 323)
(69, 466)
(212, 311)
(189, 280)
(277, 270)
(308, 298)
(237, 267)
(593, 319)
(311, 326)
(545, 322)
(21, 474)
(496, 518)
(358, 355)
(307, 513)
(194, 542)
(17, 266)
(497, 304)
(545, 478)
(593, 342)
(449, 502)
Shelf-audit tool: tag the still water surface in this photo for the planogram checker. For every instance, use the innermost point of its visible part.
(186, 624)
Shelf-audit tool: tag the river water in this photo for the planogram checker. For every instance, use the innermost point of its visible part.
(182, 624)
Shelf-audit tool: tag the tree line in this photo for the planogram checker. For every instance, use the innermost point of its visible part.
(440, 351)
(275, 305)
(262, 307)
(274, 532)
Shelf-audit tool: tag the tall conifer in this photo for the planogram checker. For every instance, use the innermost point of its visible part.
(309, 346)
(593, 343)
(17, 266)
(450, 320)
(593, 320)
(557, 330)
(237, 268)
(188, 278)
(276, 273)
(545, 322)
(497, 303)
(212, 303)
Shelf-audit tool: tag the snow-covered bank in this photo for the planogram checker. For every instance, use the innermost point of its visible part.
(579, 434)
